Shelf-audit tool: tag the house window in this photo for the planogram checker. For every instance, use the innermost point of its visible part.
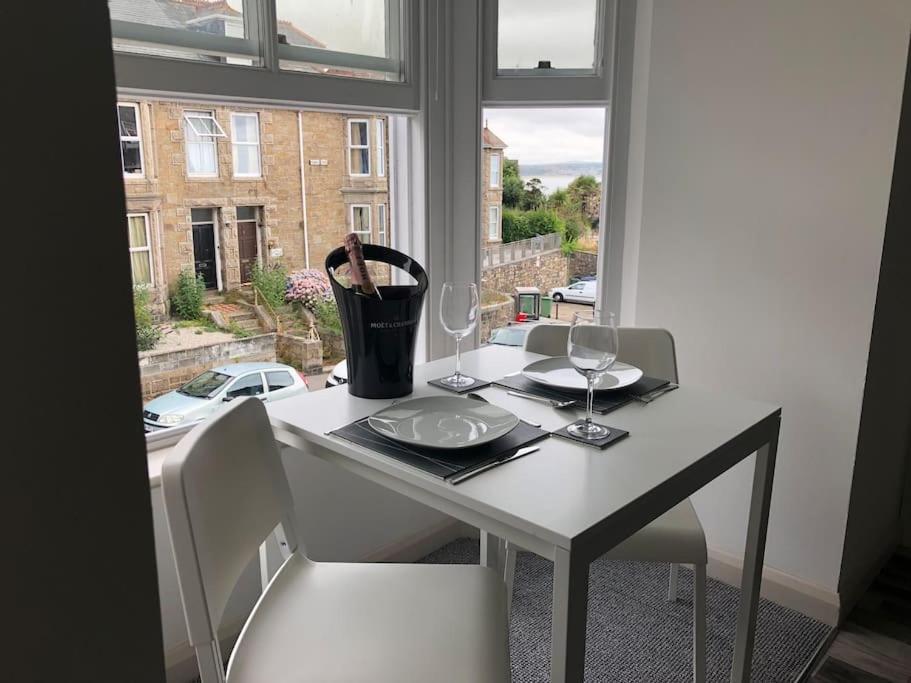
(360, 222)
(495, 170)
(130, 142)
(245, 145)
(380, 147)
(201, 131)
(493, 222)
(381, 225)
(358, 148)
(140, 249)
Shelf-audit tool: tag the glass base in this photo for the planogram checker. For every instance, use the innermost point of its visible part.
(588, 430)
(458, 380)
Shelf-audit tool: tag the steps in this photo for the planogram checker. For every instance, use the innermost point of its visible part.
(235, 316)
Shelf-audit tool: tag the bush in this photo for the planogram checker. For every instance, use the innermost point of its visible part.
(186, 302)
(572, 231)
(515, 225)
(147, 334)
(271, 283)
(308, 288)
(544, 222)
(327, 318)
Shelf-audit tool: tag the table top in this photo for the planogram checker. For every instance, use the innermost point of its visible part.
(565, 491)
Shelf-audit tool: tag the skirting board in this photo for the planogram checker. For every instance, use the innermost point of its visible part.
(779, 587)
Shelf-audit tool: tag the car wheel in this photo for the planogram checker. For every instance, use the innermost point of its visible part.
(558, 297)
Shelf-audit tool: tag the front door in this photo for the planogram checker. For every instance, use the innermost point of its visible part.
(204, 254)
(246, 242)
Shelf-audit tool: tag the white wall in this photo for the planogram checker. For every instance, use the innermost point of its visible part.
(770, 135)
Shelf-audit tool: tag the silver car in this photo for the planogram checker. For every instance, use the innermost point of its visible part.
(206, 394)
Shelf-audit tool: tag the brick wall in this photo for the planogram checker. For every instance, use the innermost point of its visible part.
(544, 271)
(161, 372)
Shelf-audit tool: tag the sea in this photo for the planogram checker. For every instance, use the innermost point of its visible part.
(553, 182)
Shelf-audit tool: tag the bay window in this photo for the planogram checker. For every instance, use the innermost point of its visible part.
(360, 222)
(493, 222)
(495, 170)
(380, 147)
(381, 230)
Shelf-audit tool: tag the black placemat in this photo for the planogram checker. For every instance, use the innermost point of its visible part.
(604, 401)
(441, 462)
(474, 386)
(612, 438)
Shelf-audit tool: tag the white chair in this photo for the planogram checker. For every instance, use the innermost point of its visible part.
(675, 537)
(225, 491)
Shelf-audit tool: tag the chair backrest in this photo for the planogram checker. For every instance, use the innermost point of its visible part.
(224, 491)
(650, 349)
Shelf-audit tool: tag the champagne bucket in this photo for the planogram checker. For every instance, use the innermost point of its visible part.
(380, 335)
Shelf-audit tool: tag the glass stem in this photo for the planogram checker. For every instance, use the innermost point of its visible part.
(458, 370)
(591, 396)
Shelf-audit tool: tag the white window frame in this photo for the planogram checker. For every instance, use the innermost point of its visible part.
(235, 144)
(497, 232)
(147, 249)
(499, 180)
(190, 118)
(352, 146)
(131, 138)
(369, 231)
(380, 148)
(382, 225)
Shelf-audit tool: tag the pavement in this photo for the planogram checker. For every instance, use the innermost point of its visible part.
(564, 311)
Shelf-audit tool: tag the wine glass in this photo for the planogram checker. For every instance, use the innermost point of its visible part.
(592, 348)
(459, 306)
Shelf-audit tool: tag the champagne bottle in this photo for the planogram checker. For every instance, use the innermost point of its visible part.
(360, 276)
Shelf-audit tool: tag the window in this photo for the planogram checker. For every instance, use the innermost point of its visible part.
(358, 148)
(360, 222)
(546, 35)
(245, 145)
(251, 385)
(200, 132)
(381, 225)
(493, 222)
(279, 380)
(204, 386)
(130, 142)
(380, 147)
(140, 249)
(495, 170)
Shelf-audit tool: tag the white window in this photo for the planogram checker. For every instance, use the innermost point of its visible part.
(130, 140)
(358, 148)
(380, 147)
(495, 170)
(360, 222)
(381, 225)
(140, 249)
(245, 147)
(200, 132)
(493, 222)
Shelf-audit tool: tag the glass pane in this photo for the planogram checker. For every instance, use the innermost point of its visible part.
(534, 32)
(361, 219)
(202, 126)
(142, 272)
(201, 215)
(278, 380)
(358, 132)
(246, 159)
(251, 385)
(201, 158)
(360, 161)
(246, 128)
(246, 213)
(138, 236)
(132, 162)
(128, 127)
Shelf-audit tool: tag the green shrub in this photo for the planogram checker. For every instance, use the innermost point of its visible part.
(544, 222)
(147, 334)
(572, 231)
(515, 225)
(271, 283)
(186, 301)
(327, 318)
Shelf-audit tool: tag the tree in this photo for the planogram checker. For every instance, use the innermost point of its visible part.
(585, 191)
(513, 186)
(533, 197)
(511, 169)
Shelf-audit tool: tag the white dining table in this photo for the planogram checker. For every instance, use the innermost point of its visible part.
(568, 502)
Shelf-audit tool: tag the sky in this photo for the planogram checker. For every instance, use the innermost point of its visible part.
(537, 136)
(543, 30)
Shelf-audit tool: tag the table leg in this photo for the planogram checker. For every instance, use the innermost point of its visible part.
(753, 559)
(570, 610)
(490, 551)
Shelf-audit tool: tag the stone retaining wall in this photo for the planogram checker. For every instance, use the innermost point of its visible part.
(300, 353)
(544, 271)
(496, 315)
(582, 263)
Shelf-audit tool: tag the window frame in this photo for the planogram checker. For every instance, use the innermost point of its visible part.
(147, 248)
(499, 184)
(208, 138)
(499, 229)
(131, 138)
(382, 225)
(269, 388)
(369, 213)
(351, 146)
(257, 144)
(262, 383)
(380, 131)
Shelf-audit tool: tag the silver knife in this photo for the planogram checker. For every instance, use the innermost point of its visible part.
(458, 479)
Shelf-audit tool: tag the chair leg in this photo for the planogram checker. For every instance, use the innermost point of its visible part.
(699, 623)
(509, 573)
(672, 584)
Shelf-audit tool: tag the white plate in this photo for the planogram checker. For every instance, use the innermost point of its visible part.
(559, 373)
(443, 422)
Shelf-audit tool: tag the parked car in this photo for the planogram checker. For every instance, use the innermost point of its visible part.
(582, 278)
(581, 293)
(207, 393)
(339, 375)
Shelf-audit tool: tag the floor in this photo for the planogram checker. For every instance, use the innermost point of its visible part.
(874, 644)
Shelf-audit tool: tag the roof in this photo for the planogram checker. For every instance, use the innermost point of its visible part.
(491, 140)
(296, 36)
(235, 369)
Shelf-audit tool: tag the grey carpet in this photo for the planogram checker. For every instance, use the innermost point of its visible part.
(634, 634)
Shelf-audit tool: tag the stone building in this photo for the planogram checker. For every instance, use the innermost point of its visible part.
(493, 159)
(217, 188)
